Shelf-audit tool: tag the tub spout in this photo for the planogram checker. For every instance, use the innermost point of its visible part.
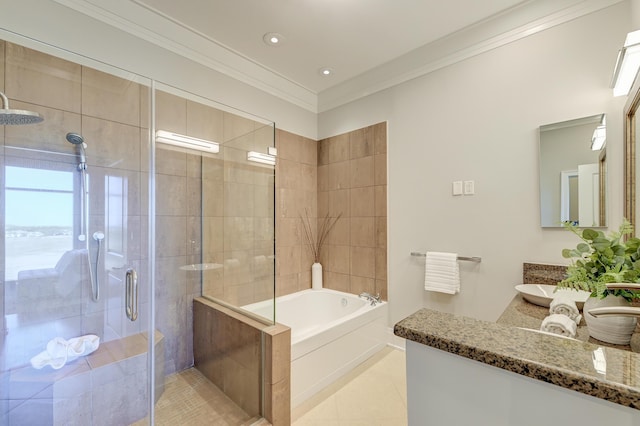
(371, 298)
(617, 311)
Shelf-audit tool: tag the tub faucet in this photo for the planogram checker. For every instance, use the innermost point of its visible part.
(371, 298)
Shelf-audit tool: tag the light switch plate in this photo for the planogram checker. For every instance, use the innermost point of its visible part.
(469, 187)
(457, 187)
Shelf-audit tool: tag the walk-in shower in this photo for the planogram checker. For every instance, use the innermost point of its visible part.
(173, 223)
(98, 236)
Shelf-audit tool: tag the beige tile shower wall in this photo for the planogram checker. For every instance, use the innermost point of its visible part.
(214, 211)
(296, 192)
(352, 182)
(110, 113)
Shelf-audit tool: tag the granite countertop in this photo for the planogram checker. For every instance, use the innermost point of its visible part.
(562, 362)
(520, 313)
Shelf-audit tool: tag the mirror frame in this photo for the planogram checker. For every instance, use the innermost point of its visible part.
(602, 169)
(630, 110)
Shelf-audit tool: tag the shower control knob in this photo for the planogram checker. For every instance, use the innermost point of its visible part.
(82, 237)
(98, 236)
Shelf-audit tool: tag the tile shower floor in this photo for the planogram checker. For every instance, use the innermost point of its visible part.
(372, 394)
(191, 399)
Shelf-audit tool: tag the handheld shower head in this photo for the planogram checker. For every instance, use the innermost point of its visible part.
(78, 140)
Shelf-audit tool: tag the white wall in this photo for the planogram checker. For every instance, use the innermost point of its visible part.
(478, 120)
(40, 24)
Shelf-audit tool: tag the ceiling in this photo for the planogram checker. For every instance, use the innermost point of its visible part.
(368, 44)
(348, 36)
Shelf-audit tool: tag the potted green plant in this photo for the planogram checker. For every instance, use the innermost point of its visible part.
(602, 259)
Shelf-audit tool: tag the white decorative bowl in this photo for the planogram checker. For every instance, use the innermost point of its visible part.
(543, 294)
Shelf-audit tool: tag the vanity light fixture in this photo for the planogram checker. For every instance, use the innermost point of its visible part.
(627, 65)
(259, 157)
(176, 139)
(599, 137)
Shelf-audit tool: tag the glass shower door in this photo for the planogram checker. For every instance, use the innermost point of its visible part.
(75, 255)
(215, 240)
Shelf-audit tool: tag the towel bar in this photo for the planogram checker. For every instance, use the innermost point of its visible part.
(470, 259)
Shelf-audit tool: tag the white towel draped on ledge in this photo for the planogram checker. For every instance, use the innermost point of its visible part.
(60, 351)
(441, 272)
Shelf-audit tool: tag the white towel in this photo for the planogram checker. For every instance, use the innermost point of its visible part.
(565, 305)
(60, 351)
(559, 324)
(441, 272)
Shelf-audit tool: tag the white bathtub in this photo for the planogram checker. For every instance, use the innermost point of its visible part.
(331, 333)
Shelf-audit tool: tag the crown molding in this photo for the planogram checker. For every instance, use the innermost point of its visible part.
(151, 26)
(519, 22)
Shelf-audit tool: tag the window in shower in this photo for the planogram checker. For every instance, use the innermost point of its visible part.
(38, 218)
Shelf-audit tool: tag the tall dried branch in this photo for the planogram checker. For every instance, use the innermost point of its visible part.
(317, 241)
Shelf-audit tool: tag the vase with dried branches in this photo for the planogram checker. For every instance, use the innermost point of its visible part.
(316, 241)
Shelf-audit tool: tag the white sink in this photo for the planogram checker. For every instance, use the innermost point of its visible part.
(543, 294)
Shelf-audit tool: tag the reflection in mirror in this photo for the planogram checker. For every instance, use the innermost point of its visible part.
(630, 160)
(573, 172)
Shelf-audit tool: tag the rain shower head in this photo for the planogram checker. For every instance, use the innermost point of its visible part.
(16, 116)
(78, 140)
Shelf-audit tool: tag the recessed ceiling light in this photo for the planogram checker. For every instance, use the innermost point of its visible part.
(325, 71)
(273, 39)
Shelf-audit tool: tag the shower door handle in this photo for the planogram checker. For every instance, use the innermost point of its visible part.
(131, 294)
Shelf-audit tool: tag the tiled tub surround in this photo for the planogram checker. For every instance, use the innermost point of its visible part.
(106, 387)
(344, 174)
(296, 191)
(227, 350)
(561, 362)
(352, 180)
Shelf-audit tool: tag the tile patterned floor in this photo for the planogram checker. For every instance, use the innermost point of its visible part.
(373, 394)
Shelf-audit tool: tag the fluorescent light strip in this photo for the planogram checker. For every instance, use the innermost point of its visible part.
(599, 137)
(259, 157)
(627, 65)
(176, 139)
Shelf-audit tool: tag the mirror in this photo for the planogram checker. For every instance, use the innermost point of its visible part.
(630, 152)
(573, 172)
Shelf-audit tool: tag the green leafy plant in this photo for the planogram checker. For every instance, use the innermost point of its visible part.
(600, 259)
